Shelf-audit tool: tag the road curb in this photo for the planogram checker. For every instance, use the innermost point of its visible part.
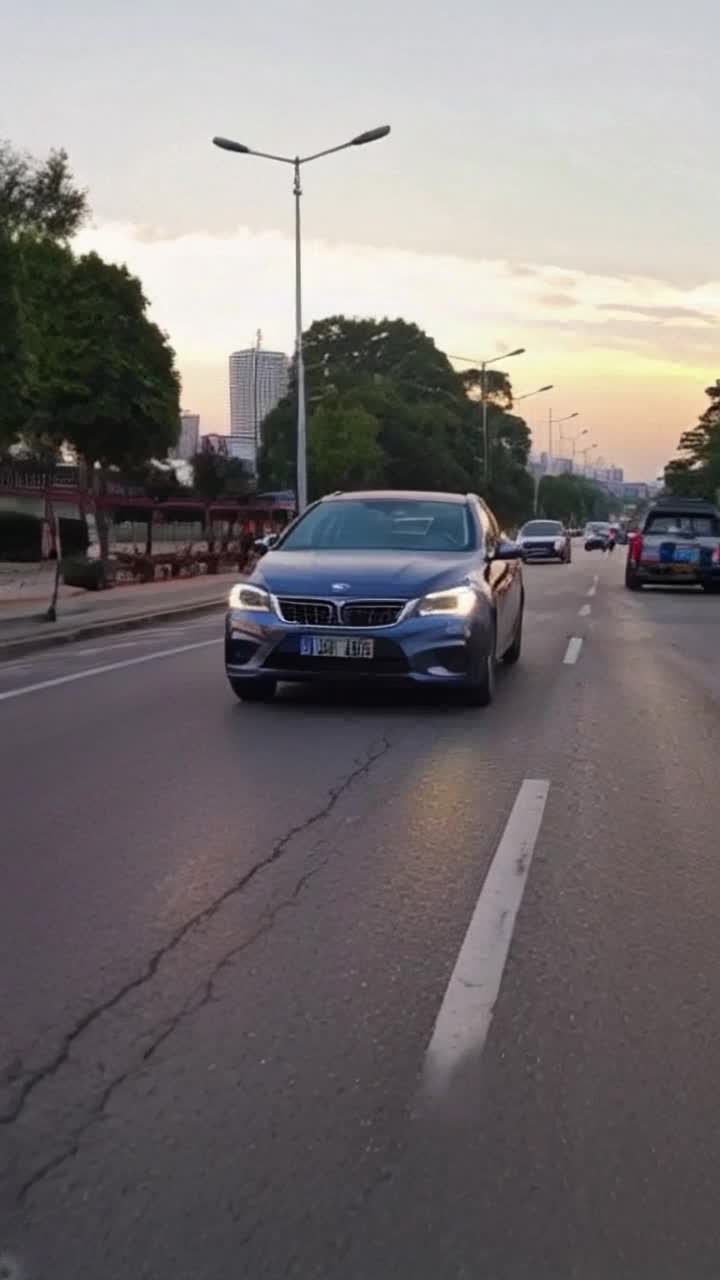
(10, 649)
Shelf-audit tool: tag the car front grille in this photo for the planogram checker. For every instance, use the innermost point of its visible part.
(371, 613)
(308, 613)
(340, 613)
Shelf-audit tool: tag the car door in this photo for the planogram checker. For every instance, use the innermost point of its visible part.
(504, 580)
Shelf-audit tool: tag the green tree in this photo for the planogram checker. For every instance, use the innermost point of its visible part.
(39, 196)
(40, 207)
(343, 449)
(119, 398)
(15, 392)
(429, 420)
(696, 472)
(216, 476)
(573, 499)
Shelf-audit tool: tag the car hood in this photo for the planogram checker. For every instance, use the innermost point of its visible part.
(388, 574)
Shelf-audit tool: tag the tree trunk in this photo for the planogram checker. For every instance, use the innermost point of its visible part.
(100, 489)
(51, 614)
(149, 535)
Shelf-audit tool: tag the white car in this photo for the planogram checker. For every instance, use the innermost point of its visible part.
(545, 540)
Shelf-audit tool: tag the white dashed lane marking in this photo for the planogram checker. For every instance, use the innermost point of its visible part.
(466, 1012)
(584, 610)
(572, 653)
(107, 667)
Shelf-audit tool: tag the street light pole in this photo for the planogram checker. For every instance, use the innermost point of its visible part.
(555, 422)
(573, 440)
(484, 401)
(228, 144)
(588, 449)
(299, 359)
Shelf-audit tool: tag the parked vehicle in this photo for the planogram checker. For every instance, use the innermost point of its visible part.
(386, 587)
(679, 544)
(545, 540)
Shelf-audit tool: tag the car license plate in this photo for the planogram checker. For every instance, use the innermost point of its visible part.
(686, 555)
(336, 647)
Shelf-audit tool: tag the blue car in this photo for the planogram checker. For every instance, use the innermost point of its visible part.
(389, 587)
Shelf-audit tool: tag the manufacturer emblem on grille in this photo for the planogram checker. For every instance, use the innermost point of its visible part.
(339, 586)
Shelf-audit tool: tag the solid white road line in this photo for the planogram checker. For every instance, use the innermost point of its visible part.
(591, 591)
(596, 579)
(466, 1012)
(584, 611)
(572, 653)
(109, 666)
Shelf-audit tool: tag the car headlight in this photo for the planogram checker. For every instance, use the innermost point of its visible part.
(559, 544)
(457, 602)
(247, 596)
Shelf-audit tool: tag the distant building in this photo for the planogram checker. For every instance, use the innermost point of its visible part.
(258, 381)
(213, 442)
(188, 439)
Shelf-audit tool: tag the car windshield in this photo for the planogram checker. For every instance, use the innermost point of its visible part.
(702, 526)
(371, 524)
(541, 529)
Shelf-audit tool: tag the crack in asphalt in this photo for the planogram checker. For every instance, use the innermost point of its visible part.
(201, 996)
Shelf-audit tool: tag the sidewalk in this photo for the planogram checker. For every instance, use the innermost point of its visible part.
(82, 614)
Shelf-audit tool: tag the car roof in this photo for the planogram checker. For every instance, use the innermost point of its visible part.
(679, 506)
(396, 495)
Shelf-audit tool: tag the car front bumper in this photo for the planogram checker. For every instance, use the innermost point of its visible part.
(417, 650)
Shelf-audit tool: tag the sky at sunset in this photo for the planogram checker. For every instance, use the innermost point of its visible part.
(550, 182)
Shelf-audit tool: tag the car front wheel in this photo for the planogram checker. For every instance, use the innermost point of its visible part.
(256, 689)
(512, 655)
(482, 690)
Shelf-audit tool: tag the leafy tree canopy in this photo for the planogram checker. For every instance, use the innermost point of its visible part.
(696, 472)
(215, 476)
(39, 197)
(416, 422)
(573, 499)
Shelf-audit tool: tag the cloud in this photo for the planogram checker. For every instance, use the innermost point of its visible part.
(557, 300)
(665, 314)
(640, 382)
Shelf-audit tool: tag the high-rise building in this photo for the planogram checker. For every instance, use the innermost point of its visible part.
(214, 443)
(258, 380)
(189, 437)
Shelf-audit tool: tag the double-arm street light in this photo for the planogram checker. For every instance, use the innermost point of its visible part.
(556, 422)
(227, 144)
(588, 449)
(573, 440)
(483, 364)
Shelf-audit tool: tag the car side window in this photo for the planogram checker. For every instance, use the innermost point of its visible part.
(490, 531)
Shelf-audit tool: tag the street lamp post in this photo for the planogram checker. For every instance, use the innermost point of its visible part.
(227, 144)
(573, 440)
(483, 394)
(588, 449)
(555, 422)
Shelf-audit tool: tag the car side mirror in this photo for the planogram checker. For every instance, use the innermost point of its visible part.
(508, 551)
(263, 545)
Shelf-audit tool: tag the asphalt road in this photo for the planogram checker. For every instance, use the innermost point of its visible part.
(349, 987)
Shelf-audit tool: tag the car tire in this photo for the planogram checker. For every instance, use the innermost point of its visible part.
(632, 582)
(512, 655)
(255, 689)
(482, 691)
